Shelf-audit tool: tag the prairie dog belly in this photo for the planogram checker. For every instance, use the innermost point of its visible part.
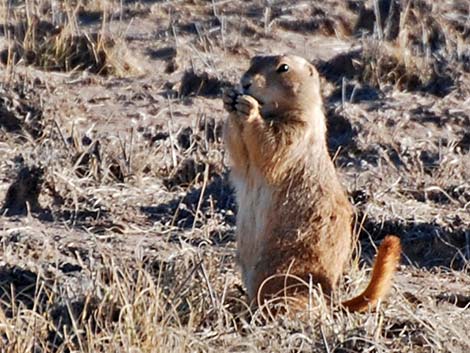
(254, 199)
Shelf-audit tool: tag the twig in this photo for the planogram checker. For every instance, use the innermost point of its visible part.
(209, 287)
(201, 197)
(378, 20)
(170, 133)
(325, 342)
(64, 141)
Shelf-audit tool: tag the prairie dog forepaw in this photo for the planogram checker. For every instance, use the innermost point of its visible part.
(230, 99)
(247, 107)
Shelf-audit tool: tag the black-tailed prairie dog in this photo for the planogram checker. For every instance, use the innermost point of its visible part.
(294, 217)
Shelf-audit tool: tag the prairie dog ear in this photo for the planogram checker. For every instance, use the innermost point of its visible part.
(311, 69)
(313, 73)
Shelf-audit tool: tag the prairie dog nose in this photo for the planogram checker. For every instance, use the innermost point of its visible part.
(246, 83)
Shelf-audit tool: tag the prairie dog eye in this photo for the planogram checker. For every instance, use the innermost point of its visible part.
(282, 68)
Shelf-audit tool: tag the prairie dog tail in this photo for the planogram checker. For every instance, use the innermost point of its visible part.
(380, 283)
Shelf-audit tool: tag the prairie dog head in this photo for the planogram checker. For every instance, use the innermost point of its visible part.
(282, 83)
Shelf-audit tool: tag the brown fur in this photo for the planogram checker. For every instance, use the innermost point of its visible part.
(294, 217)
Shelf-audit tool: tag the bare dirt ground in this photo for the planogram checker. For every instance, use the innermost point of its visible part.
(117, 217)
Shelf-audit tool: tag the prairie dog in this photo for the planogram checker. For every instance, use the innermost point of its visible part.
(294, 217)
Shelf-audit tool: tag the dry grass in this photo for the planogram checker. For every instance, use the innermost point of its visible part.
(181, 300)
(117, 224)
(418, 46)
(50, 38)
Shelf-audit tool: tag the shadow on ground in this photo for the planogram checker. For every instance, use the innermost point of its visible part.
(197, 207)
(423, 244)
